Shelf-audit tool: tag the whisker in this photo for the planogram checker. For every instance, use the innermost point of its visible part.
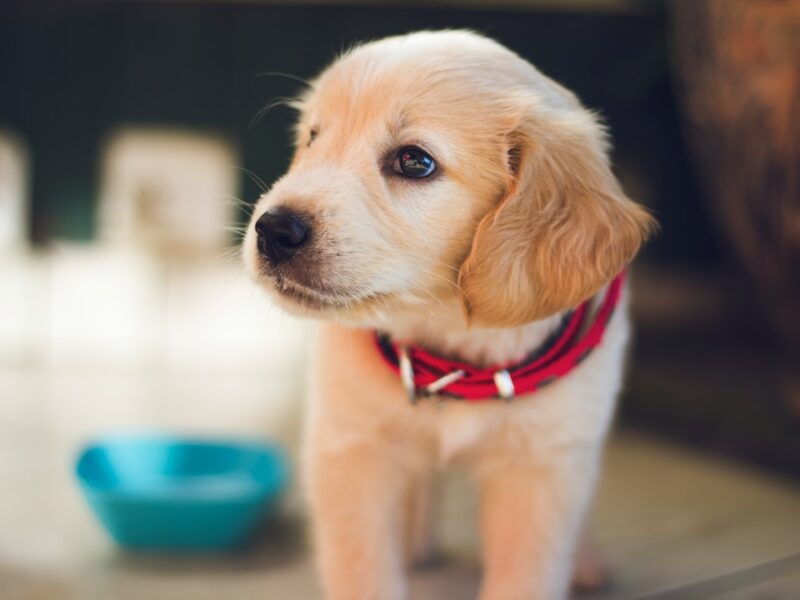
(228, 256)
(235, 200)
(279, 101)
(235, 228)
(242, 207)
(255, 179)
(305, 82)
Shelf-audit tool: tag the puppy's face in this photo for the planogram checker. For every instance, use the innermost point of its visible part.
(426, 167)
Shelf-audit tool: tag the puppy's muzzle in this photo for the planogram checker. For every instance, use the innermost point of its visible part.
(281, 234)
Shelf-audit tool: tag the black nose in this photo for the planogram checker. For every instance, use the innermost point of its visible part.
(281, 234)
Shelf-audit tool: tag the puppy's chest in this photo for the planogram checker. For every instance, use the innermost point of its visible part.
(528, 425)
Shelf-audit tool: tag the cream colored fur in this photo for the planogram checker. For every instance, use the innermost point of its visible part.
(522, 220)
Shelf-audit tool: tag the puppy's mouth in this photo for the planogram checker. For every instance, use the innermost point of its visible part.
(290, 285)
(310, 297)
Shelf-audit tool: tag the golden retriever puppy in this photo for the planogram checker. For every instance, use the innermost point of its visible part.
(451, 217)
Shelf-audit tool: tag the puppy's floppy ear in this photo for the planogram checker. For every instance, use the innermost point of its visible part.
(563, 229)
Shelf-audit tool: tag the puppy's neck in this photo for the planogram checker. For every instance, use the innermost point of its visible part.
(445, 333)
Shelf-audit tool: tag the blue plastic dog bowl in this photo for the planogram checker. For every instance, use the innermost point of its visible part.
(156, 492)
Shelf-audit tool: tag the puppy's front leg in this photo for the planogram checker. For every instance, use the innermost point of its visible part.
(357, 498)
(530, 520)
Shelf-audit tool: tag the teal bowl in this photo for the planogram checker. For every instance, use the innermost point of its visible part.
(164, 493)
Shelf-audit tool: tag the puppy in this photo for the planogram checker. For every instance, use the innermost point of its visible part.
(448, 214)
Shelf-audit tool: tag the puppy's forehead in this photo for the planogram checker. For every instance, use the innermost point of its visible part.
(422, 76)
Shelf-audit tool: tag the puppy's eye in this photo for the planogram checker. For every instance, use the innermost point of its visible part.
(312, 135)
(414, 162)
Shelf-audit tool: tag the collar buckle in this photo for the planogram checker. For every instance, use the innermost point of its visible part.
(504, 384)
(407, 374)
(433, 388)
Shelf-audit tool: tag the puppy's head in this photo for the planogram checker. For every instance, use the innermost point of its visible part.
(440, 167)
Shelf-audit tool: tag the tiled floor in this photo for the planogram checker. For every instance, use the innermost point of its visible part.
(671, 523)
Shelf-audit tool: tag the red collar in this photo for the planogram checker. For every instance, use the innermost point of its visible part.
(424, 374)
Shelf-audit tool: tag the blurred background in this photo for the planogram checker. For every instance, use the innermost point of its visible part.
(134, 136)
